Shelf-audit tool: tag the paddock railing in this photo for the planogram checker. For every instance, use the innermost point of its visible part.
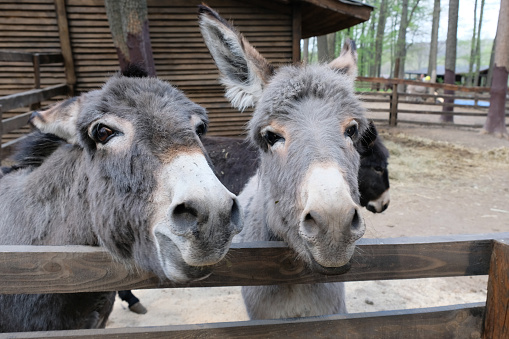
(390, 104)
(31, 98)
(69, 269)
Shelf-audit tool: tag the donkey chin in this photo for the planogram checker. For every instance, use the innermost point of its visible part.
(184, 260)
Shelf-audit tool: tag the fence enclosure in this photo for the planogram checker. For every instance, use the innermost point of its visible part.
(68, 269)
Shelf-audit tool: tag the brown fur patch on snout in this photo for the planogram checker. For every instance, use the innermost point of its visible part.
(175, 151)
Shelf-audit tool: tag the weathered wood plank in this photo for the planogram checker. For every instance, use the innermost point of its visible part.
(15, 123)
(496, 323)
(29, 97)
(459, 321)
(424, 84)
(53, 269)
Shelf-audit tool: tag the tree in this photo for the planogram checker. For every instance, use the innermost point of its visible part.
(401, 42)
(433, 48)
(128, 22)
(305, 52)
(323, 50)
(478, 48)
(495, 122)
(472, 49)
(450, 58)
(379, 41)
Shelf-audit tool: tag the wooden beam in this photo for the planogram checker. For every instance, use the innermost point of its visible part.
(27, 98)
(463, 321)
(424, 84)
(65, 44)
(14, 123)
(496, 323)
(296, 32)
(44, 58)
(64, 269)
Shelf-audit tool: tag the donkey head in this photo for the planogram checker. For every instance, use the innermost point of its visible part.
(150, 192)
(373, 173)
(306, 124)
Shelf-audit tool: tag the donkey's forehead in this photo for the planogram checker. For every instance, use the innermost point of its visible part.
(292, 84)
(145, 97)
(295, 93)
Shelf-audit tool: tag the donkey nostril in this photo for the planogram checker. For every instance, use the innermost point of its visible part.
(185, 219)
(356, 220)
(235, 217)
(308, 217)
(183, 210)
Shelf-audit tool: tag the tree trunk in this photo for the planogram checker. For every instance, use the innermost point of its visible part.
(450, 58)
(130, 32)
(379, 43)
(478, 47)
(305, 52)
(495, 122)
(469, 81)
(492, 63)
(331, 46)
(433, 48)
(323, 51)
(371, 42)
(401, 42)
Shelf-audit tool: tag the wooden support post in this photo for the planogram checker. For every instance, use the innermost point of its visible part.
(36, 61)
(296, 32)
(393, 113)
(65, 44)
(496, 322)
(393, 118)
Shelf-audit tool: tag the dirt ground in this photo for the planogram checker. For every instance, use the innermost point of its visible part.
(443, 181)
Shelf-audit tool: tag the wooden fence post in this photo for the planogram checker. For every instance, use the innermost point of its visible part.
(36, 61)
(65, 45)
(296, 32)
(496, 321)
(393, 113)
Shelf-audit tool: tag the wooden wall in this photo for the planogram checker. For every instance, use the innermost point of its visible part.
(180, 54)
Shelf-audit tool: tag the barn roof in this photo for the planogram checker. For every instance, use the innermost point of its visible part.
(320, 17)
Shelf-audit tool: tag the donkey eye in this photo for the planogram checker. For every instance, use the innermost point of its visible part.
(201, 129)
(102, 133)
(271, 138)
(351, 131)
(378, 169)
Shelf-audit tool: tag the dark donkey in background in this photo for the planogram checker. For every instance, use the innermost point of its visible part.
(236, 161)
(131, 176)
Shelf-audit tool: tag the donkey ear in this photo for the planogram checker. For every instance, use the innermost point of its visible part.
(367, 140)
(346, 62)
(244, 72)
(59, 119)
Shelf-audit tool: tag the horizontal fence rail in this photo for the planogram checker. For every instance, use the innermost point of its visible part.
(68, 269)
(461, 321)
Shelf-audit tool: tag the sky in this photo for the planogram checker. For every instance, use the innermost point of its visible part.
(466, 19)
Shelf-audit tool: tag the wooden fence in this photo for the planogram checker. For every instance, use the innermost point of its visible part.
(418, 108)
(55, 269)
(32, 98)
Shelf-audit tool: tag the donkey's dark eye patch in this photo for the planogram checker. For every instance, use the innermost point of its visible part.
(271, 138)
(102, 133)
(351, 131)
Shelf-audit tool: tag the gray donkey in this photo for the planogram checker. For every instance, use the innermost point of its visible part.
(306, 124)
(132, 178)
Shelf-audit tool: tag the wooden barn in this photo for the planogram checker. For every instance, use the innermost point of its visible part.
(76, 35)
